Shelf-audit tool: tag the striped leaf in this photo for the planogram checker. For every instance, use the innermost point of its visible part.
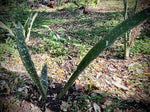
(26, 58)
(44, 78)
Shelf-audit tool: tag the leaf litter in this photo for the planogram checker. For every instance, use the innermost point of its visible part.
(123, 79)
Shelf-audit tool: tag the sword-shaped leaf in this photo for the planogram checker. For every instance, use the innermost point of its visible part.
(26, 58)
(44, 78)
(106, 41)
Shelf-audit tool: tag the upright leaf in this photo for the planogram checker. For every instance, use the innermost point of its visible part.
(44, 78)
(26, 58)
(29, 29)
(106, 41)
(2, 25)
(27, 24)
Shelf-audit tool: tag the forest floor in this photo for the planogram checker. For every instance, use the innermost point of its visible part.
(109, 83)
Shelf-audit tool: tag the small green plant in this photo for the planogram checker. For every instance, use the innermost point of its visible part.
(118, 101)
(97, 98)
(119, 51)
(142, 45)
(26, 28)
(54, 47)
(3, 26)
(107, 108)
(41, 82)
(8, 48)
(53, 43)
(103, 94)
(70, 7)
(83, 102)
(75, 106)
(28, 25)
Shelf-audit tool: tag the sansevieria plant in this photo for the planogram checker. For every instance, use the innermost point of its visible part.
(106, 41)
(41, 82)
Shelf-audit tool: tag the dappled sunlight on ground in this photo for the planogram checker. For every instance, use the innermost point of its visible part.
(120, 78)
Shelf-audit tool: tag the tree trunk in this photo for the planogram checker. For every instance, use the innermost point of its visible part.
(98, 1)
(126, 36)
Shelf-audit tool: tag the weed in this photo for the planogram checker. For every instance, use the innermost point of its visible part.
(142, 45)
(70, 7)
(118, 101)
(97, 98)
(19, 94)
(107, 108)
(7, 48)
(119, 51)
(14, 100)
(75, 106)
(103, 94)
(130, 100)
(116, 15)
(14, 75)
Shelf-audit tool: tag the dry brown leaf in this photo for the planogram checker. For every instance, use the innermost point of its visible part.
(79, 86)
(119, 85)
(94, 87)
(127, 83)
(118, 76)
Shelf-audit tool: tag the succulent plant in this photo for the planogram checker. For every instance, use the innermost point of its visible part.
(41, 82)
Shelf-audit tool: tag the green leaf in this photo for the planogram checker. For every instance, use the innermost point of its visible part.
(41, 32)
(61, 29)
(106, 41)
(29, 29)
(44, 78)
(58, 37)
(27, 24)
(55, 37)
(2, 25)
(26, 58)
(45, 26)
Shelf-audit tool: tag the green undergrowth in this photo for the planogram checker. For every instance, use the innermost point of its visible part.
(83, 102)
(142, 45)
(79, 32)
(7, 49)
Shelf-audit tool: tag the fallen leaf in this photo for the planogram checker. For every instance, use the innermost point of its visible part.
(31, 95)
(95, 87)
(17, 60)
(118, 76)
(96, 91)
(124, 97)
(119, 85)
(147, 74)
(96, 107)
(59, 71)
(127, 83)
(97, 69)
(64, 106)
(79, 86)
(20, 89)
